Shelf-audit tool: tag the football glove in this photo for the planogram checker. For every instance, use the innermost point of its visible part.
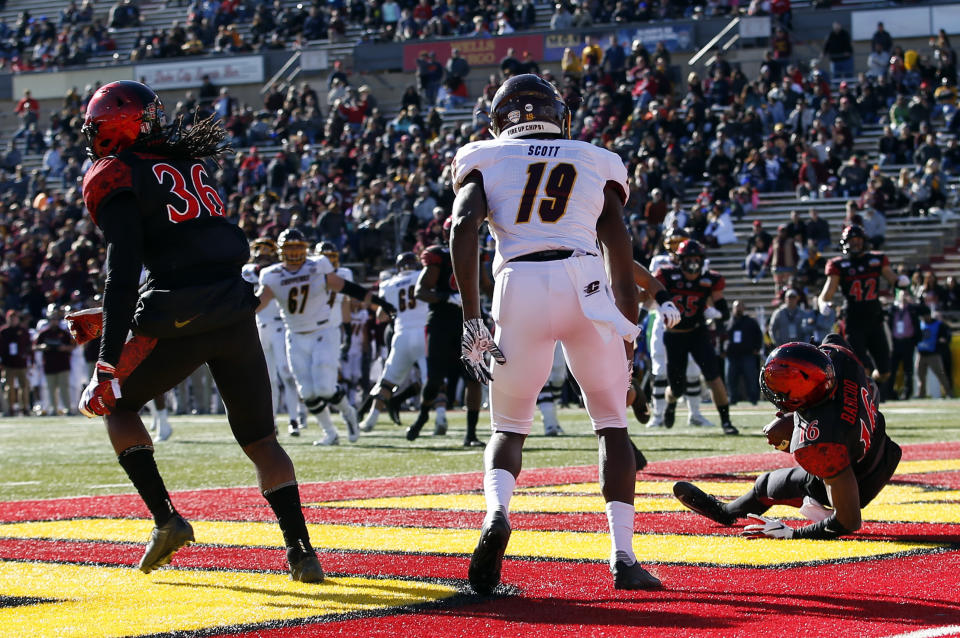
(671, 316)
(85, 325)
(101, 394)
(712, 313)
(825, 307)
(477, 341)
(769, 527)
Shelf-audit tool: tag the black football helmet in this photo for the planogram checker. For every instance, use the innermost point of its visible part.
(797, 376)
(119, 115)
(691, 256)
(528, 105)
(848, 243)
(407, 261)
(293, 248)
(329, 250)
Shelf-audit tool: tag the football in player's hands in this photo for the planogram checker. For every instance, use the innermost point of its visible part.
(779, 432)
(671, 316)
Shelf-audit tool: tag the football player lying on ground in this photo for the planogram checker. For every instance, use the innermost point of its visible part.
(152, 192)
(835, 433)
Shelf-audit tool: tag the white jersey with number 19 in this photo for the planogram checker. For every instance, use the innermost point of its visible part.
(542, 194)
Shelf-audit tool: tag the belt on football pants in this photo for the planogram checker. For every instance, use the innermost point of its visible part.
(544, 255)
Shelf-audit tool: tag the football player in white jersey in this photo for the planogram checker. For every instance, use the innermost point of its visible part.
(408, 346)
(270, 326)
(550, 202)
(664, 413)
(359, 346)
(301, 286)
(333, 338)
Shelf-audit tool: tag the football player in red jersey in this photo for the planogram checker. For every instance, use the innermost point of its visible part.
(857, 274)
(829, 421)
(151, 190)
(692, 292)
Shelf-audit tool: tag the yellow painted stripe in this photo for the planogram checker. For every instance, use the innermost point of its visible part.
(103, 602)
(926, 467)
(730, 550)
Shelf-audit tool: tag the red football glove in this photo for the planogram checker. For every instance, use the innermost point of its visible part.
(85, 325)
(101, 394)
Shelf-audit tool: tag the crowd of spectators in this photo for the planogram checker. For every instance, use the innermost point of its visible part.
(701, 152)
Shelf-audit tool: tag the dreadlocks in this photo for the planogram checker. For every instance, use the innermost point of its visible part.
(206, 138)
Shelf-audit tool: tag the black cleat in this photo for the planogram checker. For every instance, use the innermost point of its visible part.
(307, 569)
(670, 415)
(728, 428)
(633, 577)
(702, 503)
(164, 542)
(393, 410)
(413, 432)
(640, 409)
(638, 456)
(487, 559)
(473, 442)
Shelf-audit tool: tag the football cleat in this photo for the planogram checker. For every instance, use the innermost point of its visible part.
(293, 429)
(633, 577)
(393, 411)
(670, 415)
(552, 430)
(487, 559)
(702, 503)
(440, 429)
(163, 431)
(413, 432)
(370, 422)
(699, 421)
(728, 428)
(164, 542)
(349, 415)
(640, 409)
(655, 422)
(473, 442)
(331, 439)
(306, 570)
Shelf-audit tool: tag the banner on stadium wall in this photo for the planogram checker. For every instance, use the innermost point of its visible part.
(477, 51)
(187, 74)
(675, 37)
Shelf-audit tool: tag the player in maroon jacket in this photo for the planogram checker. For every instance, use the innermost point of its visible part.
(151, 190)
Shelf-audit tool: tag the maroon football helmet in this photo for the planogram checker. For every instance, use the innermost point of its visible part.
(797, 376)
(691, 256)
(528, 105)
(119, 115)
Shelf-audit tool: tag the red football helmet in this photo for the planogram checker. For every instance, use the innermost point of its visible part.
(120, 114)
(797, 376)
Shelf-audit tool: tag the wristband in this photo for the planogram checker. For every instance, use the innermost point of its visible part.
(827, 529)
(356, 291)
(662, 297)
(102, 367)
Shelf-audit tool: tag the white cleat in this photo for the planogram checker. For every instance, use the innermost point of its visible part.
(699, 421)
(369, 422)
(349, 414)
(163, 431)
(331, 439)
(655, 422)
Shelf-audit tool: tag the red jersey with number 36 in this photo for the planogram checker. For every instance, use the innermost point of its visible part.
(690, 297)
(185, 233)
(845, 430)
(860, 281)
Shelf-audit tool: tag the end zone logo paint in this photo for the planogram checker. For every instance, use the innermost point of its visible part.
(396, 553)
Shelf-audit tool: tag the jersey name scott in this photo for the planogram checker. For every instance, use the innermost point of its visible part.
(543, 151)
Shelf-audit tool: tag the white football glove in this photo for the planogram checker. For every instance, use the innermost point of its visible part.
(477, 341)
(712, 313)
(903, 281)
(824, 306)
(671, 316)
(814, 511)
(769, 527)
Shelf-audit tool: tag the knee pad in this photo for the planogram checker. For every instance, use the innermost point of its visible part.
(693, 386)
(545, 396)
(556, 391)
(315, 405)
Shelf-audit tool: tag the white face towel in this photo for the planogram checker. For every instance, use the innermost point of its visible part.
(596, 297)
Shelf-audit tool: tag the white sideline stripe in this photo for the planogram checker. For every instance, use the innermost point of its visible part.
(93, 487)
(12, 483)
(930, 633)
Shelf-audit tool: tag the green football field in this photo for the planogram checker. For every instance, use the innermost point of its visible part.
(60, 457)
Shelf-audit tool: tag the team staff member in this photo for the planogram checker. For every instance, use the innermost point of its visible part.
(151, 191)
(835, 433)
(857, 274)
